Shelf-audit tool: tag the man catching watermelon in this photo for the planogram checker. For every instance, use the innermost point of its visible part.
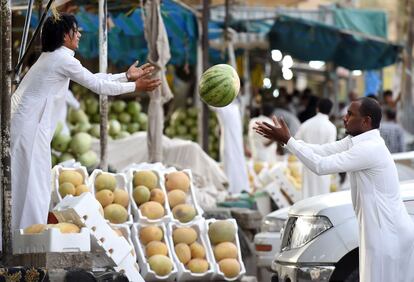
(35, 109)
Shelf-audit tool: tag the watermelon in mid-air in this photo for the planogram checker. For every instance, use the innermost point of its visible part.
(219, 85)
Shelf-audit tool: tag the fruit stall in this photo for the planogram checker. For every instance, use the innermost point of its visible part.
(145, 220)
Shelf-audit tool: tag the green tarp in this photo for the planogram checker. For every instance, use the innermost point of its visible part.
(310, 40)
(365, 21)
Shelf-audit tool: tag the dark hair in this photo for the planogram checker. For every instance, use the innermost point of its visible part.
(325, 106)
(370, 107)
(267, 109)
(54, 30)
(373, 96)
(387, 93)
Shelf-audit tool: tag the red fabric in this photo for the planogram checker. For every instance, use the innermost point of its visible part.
(51, 218)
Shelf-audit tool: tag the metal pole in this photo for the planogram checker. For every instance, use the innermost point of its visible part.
(37, 31)
(103, 66)
(205, 45)
(24, 40)
(6, 71)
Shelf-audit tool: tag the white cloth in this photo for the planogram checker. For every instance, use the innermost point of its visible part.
(36, 105)
(291, 120)
(209, 178)
(159, 55)
(316, 130)
(231, 147)
(261, 152)
(386, 232)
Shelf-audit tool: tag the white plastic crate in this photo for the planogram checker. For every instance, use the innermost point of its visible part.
(84, 211)
(143, 166)
(291, 194)
(130, 269)
(191, 198)
(184, 274)
(56, 171)
(51, 240)
(146, 271)
(121, 183)
(219, 275)
(138, 216)
(126, 233)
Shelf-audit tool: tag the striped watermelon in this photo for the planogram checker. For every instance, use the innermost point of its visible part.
(219, 85)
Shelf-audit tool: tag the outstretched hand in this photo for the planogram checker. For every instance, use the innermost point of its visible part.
(278, 132)
(135, 72)
(147, 84)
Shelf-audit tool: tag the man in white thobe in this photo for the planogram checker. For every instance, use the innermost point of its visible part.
(36, 108)
(262, 150)
(317, 130)
(386, 232)
(231, 147)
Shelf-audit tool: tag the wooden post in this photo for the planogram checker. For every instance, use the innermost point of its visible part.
(205, 47)
(405, 116)
(6, 81)
(103, 66)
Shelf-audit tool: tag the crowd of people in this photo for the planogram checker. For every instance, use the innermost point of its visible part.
(298, 107)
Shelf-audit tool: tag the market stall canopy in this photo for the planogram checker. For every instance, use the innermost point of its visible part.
(126, 40)
(351, 42)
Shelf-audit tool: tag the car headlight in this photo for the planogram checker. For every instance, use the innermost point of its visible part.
(307, 228)
(272, 224)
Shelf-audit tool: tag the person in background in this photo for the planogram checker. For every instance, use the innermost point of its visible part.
(35, 108)
(309, 102)
(388, 100)
(261, 149)
(386, 230)
(392, 132)
(232, 147)
(282, 109)
(317, 130)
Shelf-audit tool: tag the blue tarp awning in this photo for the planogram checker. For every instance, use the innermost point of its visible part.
(310, 40)
(126, 41)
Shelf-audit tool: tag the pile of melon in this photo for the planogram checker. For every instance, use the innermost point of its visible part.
(183, 124)
(222, 235)
(124, 118)
(147, 194)
(178, 186)
(189, 251)
(71, 182)
(156, 250)
(75, 146)
(113, 200)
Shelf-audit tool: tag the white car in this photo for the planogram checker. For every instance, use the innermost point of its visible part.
(320, 239)
(268, 241)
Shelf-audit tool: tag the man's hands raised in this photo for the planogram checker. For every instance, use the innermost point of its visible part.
(135, 72)
(147, 84)
(142, 77)
(278, 132)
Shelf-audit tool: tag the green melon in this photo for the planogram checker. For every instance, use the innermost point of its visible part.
(219, 85)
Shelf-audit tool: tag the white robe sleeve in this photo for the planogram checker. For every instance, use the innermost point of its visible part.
(73, 69)
(121, 77)
(328, 148)
(354, 159)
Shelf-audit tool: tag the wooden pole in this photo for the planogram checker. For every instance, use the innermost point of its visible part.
(6, 82)
(103, 66)
(405, 116)
(205, 47)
